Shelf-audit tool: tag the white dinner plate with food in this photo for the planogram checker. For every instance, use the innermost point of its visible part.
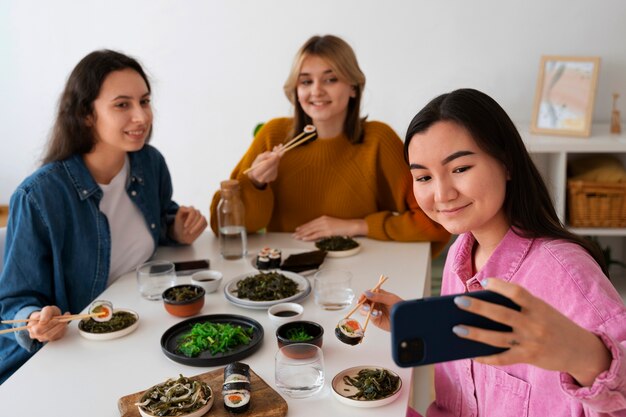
(302, 289)
(120, 325)
(338, 246)
(347, 388)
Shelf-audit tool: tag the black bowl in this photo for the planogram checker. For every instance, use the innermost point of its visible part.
(312, 329)
(184, 307)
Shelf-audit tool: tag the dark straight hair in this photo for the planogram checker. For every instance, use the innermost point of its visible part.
(527, 203)
(71, 135)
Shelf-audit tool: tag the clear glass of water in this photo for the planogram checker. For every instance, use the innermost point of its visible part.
(332, 289)
(299, 370)
(155, 277)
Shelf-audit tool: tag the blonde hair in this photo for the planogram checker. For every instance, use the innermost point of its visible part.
(341, 58)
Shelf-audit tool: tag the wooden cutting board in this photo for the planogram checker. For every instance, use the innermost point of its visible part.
(264, 401)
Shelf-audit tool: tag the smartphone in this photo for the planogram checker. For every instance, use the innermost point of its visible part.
(421, 330)
(189, 267)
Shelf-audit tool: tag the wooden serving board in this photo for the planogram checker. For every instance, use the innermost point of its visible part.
(264, 401)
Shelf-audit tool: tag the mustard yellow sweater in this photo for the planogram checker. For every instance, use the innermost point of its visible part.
(333, 177)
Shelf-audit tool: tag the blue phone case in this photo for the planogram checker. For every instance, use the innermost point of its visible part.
(421, 330)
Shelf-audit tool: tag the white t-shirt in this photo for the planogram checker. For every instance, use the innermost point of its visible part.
(131, 242)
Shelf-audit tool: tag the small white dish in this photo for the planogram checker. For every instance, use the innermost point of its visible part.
(284, 313)
(210, 280)
(343, 253)
(111, 335)
(342, 391)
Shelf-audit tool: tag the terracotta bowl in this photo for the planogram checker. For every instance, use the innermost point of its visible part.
(311, 328)
(183, 300)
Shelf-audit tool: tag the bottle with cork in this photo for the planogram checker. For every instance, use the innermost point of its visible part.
(231, 221)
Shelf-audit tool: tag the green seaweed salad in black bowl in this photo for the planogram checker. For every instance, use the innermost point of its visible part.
(300, 331)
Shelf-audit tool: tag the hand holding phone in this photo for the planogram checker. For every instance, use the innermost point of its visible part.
(421, 330)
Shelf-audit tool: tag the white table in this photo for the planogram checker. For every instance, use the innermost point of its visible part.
(79, 377)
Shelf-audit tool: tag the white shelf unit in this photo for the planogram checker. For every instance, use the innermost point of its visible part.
(551, 155)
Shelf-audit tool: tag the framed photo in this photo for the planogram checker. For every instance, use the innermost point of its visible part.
(566, 90)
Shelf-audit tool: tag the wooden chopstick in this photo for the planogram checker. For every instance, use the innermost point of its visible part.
(381, 281)
(69, 317)
(298, 143)
(13, 329)
(295, 142)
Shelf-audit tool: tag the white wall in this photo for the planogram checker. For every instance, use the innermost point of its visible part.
(218, 67)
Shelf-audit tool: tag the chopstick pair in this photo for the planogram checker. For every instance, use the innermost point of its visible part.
(293, 143)
(381, 281)
(61, 319)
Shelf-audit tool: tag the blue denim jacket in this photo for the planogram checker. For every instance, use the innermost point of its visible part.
(58, 244)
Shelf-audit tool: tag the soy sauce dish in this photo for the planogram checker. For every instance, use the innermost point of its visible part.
(284, 313)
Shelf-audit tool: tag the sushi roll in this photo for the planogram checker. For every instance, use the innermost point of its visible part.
(236, 388)
(236, 401)
(103, 309)
(275, 259)
(310, 130)
(262, 263)
(237, 368)
(349, 331)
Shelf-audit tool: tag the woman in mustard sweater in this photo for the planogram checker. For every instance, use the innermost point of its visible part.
(351, 181)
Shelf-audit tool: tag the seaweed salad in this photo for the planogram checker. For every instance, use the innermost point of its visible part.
(336, 243)
(266, 287)
(373, 384)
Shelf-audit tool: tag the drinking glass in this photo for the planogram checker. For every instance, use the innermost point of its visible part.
(155, 277)
(299, 370)
(332, 289)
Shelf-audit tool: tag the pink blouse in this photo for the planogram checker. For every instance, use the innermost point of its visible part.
(564, 275)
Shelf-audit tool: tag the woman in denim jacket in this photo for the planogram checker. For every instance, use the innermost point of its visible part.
(100, 205)
(567, 350)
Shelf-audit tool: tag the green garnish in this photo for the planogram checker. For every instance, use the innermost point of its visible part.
(298, 334)
(175, 397)
(266, 287)
(120, 320)
(373, 384)
(214, 337)
(336, 243)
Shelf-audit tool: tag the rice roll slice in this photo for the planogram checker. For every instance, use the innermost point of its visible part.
(349, 331)
(237, 368)
(275, 259)
(236, 401)
(263, 263)
(236, 386)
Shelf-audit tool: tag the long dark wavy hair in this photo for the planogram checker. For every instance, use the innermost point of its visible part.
(342, 59)
(71, 133)
(527, 203)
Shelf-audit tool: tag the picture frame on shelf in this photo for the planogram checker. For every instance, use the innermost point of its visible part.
(565, 95)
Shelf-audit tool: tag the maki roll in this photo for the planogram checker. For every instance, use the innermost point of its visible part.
(349, 331)
(237, 401)
(237, 368)
(236, 388)
(275, 258)
(262, 263)
(311, 132)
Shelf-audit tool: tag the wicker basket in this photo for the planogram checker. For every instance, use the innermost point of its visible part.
(596, 204)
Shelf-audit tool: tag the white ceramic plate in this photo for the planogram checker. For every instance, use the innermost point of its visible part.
(111, 335)
(304, 288)
(341, 390)
(343, 253)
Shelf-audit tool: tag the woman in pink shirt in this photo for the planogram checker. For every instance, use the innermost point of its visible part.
(567, 351)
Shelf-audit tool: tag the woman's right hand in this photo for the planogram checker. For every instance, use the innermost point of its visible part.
(382, 302)
(267, 171)
(47, 328)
